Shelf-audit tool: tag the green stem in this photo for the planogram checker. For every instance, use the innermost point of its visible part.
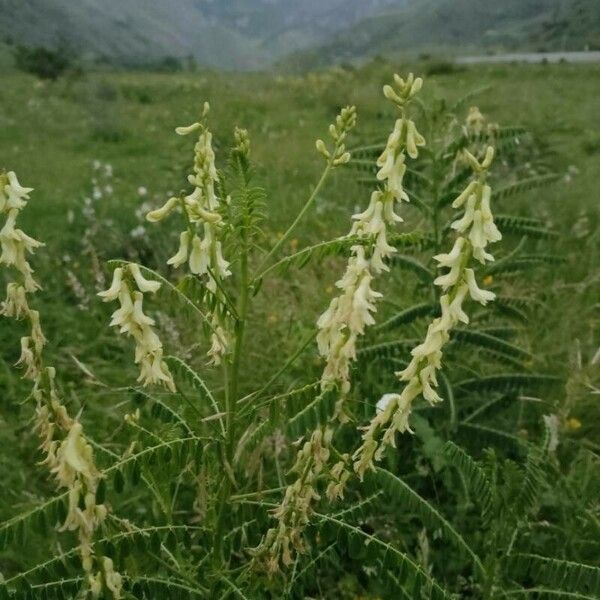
(232, 399)
(299, 218)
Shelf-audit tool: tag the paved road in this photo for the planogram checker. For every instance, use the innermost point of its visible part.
(532, 57)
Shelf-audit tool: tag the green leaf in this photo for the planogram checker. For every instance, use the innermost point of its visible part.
(410, 263)
(391, 556)
(524, 262)
(181, 367)
(408, 315)
(524, 185)
(314, 415)
(474, 475)
(495, 345)
(507, 382)
(399, 491)
(533, 228)
(562, 574)
(387, 349)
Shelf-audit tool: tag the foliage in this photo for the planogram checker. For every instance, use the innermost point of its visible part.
(42, 62)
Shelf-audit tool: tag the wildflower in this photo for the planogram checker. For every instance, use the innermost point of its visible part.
(68, 454)
(349, 313)
(200, 244)
(138, 232)
(219, 342)
(338, 131)
(475, 230)
(479, 295)
(475, 121)
(295, 510)
(160, 213)
(131, 320)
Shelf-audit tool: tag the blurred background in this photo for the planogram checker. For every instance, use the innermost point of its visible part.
(259, 34)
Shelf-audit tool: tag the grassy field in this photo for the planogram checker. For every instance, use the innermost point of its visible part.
(52, 133)
(59, 137)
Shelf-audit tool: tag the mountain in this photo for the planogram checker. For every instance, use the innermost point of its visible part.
(460, 26)
(251, 34)
(230, 34)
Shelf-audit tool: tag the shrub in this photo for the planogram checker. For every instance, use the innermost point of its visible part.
(42, 62)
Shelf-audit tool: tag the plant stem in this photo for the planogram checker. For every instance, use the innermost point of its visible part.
(232, 398)
(299, 218)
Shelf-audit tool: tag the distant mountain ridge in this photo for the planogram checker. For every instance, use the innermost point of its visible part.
(463, 26)
(230, 34)
(252, 34)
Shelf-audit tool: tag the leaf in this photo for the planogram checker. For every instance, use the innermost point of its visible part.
(52, 509)
(533, 480)
(336, 247)
(160, 408)
(507, 382)
(315, 414)
(401, 492)
(513, 307)
(278, 408)
(162, 587)
(412, 264)
(408, 315)
(524, 185)
(474, 475)
(565, 575)
(234, 588)
(467, 98)
(533, 228)
(387, 349)
(183, 368)
(300, 259)
(524, 262)
(491, 343)
(391, 557)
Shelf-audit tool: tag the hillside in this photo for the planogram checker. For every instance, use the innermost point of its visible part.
(462, 26)
(237, 34)
(254, 34)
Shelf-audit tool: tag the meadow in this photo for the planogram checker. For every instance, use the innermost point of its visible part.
(100, 151)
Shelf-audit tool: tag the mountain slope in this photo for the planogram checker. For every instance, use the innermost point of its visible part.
(129, 30)
(462, 26)
(231, 34)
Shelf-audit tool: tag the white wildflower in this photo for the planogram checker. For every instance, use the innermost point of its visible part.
(131, 320)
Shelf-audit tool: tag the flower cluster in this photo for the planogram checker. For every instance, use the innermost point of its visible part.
(70, 458)
(476, 229)
(131, 320)
(344, 123)
(16, 245)
(200, 245)
(68, 455)
(479, 131)
(294, 512)
(349, 313)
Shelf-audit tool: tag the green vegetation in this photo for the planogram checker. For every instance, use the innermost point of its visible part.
(480, 501)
